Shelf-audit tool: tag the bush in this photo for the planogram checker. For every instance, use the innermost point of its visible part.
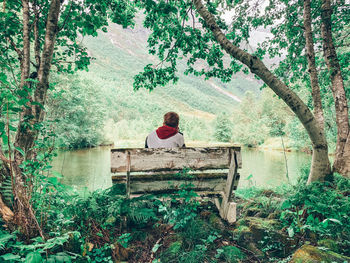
(223, 128)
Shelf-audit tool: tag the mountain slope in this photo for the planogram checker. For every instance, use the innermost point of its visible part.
(122, 53)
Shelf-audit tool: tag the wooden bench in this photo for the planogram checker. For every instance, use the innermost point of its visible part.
(213, 172)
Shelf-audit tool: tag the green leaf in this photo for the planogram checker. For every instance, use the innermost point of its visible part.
(286, 204)
(33, 257)
(333, 220)
(52, 180)
(20, 150)
(4, 238)
(37, 103)
(2, 126)
(32, 80)
(10, 256)
(5, 139)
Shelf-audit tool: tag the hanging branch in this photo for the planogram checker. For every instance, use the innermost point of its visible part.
(66, 18)
(177, 41)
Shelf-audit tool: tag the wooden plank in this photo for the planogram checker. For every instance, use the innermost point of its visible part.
(231, 212)
(230, 178)
(149, 177)
(201, 194)
(171, 159)
(236, 181)
(133, 150)
(239, 158)
(128, 165)
(213, 185)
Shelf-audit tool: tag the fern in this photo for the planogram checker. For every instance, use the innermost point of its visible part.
(5, 237)
(140, 211)
(6, 191)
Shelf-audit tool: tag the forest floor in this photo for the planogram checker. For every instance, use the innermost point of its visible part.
(301, 223)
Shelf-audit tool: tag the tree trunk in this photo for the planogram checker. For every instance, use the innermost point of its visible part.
(26, 136)
(320, 166)
(32, 115)
(25, 63)
(342, 160)
(310, 54)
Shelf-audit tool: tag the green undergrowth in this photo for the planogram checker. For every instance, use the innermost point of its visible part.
(105, 226)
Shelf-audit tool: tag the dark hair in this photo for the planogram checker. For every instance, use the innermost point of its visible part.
(171, 119)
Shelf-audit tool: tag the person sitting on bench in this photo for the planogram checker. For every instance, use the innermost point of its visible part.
(168, 135)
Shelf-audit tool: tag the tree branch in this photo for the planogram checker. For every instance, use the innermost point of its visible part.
(177, 40)
(18, 51)
(67, 16)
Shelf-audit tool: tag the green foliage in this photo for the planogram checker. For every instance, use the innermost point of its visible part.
(102, 254)
(250, 124)
(196, 241)
(298, 135)
(36, 249)
(140, 210)
(124, 239)
(76, 17)
(223, 128)
(230, 254)
(321, 208)
(182, 208)
(173, 39)
(78, 110)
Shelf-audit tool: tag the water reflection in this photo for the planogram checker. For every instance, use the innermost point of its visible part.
(268, 168)
(91, 167)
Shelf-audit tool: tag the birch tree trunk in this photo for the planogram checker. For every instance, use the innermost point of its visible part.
(342, 154)
(310, 54)
(320, 166)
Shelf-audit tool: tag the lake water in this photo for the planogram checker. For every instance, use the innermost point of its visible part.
(91, 167)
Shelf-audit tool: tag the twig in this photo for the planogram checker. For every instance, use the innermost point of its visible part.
(285, 158)
(18, 51)
(193, 18)
(158, 241)
(249, 251)
(66, 18)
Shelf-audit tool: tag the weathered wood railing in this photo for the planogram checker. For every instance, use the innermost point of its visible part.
(212, 172)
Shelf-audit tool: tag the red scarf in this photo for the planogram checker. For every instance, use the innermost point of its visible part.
(166, 132)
